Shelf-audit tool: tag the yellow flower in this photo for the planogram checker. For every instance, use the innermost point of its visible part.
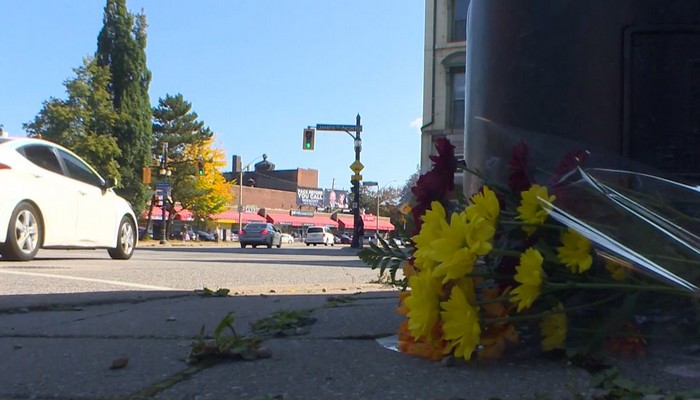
(460, 324)
(454, 258)
(485, 206)
(456, 265)
(434, 223)
(479, 236)
(617, 271)
(575, 252)
(553, 328)
(530, 277)
(531, 209)
(423, 304)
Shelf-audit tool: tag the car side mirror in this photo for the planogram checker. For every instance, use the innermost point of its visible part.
(110, 183)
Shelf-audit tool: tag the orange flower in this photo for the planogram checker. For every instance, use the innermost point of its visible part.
(422, 348)
(495, 336)
(628, 341)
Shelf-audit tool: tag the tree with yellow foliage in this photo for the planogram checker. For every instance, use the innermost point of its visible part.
(210, 193)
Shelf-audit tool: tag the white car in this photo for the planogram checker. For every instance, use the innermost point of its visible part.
(287, 238)
(319, 235)
(50, 198)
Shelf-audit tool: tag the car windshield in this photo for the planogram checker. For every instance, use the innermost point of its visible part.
(255, 226)
(314, 230)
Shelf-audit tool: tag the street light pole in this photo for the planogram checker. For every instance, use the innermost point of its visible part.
(356, 239)
(164, 172)
(376, 183)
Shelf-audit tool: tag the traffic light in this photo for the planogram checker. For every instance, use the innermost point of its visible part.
(200, 168)
(146, 175)
(308, 139)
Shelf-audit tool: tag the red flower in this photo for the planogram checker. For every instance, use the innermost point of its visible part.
(568, 163)
(437, 183)
(519, 162)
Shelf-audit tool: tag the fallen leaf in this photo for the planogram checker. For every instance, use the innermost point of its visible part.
(119, 363)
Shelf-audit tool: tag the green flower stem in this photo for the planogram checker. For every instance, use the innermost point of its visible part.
(523, 223)
(621, 286)
(518, 318)
(499, 299)
(680, 260)
(504, 252)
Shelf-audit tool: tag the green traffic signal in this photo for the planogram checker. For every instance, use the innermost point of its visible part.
(200, 168)
(308, 143)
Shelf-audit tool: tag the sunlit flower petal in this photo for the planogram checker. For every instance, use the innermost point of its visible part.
(529, 274)
(554, 328)
(575, 252)
(480, 234)
(617, 271)
(485, 205)
(423, 304)
(531, 209)
(460, 324)
(434, 224)
(457, 265)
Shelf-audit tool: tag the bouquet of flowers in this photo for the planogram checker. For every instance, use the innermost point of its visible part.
(566, 259)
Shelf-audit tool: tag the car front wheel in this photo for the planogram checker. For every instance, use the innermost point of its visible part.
(23, 234)
(126, 241)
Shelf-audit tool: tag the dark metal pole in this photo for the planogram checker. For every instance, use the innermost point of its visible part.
(164, 169)
(356, 236)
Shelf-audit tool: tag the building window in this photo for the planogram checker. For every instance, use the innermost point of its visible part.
(459, 20)
(457, 97)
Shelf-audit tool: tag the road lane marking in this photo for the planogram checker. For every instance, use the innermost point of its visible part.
(76, 278)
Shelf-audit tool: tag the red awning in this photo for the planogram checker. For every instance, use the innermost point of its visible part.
(294, 220)
(347, 221)
(180, 214)
(371, 223)
(231, 216)
(184, 215)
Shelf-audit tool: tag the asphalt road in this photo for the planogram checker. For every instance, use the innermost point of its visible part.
(294, 269)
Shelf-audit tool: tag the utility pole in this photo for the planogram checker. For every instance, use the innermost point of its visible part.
(356, 167)
(358, 231)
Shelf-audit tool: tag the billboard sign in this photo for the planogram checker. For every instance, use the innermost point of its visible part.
(310, 197)
(335, 199)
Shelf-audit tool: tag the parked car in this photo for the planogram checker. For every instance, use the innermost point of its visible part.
(319, 235)
(371, 239)
(143, 235)
(178, 235)
(260, 234)
(287, 238)
(205, 236)
(51, 198)
(345, 239)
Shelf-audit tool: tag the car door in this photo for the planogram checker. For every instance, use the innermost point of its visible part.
(96, 221)
(53, 193)
(277, 238)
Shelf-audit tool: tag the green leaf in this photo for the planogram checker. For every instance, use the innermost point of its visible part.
(225, 322)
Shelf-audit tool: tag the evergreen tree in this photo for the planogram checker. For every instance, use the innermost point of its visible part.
(84, 121)
(176, 128)
(121, 46)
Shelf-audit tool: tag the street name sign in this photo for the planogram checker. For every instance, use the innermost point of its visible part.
(332, 127)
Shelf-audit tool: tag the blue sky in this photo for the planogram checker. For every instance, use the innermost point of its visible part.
(256, 72)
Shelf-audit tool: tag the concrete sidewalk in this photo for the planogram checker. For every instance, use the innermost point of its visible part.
(62, 347)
